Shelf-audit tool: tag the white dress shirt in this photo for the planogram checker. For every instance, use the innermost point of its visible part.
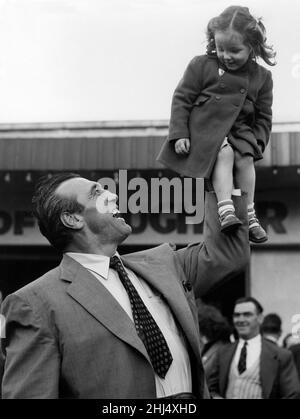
(253, 351)
(178, 378)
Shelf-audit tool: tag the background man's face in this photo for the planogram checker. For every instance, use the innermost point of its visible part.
(246, 320)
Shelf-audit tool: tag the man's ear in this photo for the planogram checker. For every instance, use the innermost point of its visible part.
(260, 318)
(74, 221)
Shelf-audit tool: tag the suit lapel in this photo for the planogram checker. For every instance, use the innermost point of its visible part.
(226, 358)
(98, 301)
(162, 275)
(158, 269)
(268, 368)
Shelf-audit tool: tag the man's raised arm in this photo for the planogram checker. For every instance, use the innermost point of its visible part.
(220, 255)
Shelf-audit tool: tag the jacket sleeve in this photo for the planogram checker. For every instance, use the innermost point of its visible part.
(184, 96)
(263, 113)
(220, 256)
(32, 360)
(289, 381)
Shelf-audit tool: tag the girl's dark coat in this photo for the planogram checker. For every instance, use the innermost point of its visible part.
(210, 104)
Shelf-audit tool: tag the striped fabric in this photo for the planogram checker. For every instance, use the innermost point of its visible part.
(244, 386)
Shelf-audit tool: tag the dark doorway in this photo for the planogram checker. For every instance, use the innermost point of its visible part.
(224, 296)
(20, 265)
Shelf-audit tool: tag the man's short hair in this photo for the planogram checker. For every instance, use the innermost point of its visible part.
(48, 206)
(271, 324)
(253, 300)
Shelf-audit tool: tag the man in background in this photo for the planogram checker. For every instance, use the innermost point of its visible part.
(271, 327)
(253, 367)
(295, 349)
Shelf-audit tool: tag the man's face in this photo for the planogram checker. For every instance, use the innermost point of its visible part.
(100, 214)
(246, 320)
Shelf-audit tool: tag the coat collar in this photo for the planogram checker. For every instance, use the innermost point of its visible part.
(226, 358)
(153, 267)
(268, 367)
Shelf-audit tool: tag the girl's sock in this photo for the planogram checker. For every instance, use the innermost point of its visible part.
(228, 220)
(225, 208)
(253, 221)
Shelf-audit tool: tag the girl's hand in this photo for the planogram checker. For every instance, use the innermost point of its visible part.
(182, 146)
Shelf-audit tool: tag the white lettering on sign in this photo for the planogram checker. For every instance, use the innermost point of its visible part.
(296, 325)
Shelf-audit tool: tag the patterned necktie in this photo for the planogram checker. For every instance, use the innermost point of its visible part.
(146, 327)
(243, 359)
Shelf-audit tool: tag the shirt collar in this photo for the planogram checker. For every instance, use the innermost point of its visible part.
(92, 262)
(254, 341)
(271, 338)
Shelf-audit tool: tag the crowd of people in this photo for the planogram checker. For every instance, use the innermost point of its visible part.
(246, 360)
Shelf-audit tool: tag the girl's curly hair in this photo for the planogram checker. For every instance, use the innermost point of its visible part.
(253, 31)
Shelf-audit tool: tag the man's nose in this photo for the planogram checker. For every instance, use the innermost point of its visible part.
(242, 318)
(239, 318)
(112, 196)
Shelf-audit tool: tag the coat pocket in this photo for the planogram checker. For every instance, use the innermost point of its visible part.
(200, 100)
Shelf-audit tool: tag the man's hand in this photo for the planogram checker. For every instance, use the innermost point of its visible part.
(182, 146)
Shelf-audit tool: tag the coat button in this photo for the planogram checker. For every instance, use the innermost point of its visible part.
(242, 90)
(218, 97)
(222, 85)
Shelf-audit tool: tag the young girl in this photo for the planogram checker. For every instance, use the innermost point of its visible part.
(221, 115)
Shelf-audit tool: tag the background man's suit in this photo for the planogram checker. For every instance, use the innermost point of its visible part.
(209, 358)
(277, 372)
(68, 337)
(295, 349)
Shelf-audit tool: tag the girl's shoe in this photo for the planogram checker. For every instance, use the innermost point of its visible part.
(229, 222)
(256, 233)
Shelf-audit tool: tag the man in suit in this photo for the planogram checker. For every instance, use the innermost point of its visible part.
(77, 332)
(253, 367)
(271, 327)
(295, 349)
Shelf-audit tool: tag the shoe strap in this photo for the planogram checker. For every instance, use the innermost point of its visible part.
(226, 214)
(253, 222)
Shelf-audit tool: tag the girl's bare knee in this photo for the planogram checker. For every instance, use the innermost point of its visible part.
(242, 161)
(226, 153)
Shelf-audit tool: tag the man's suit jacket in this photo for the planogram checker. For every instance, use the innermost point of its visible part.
(68, 337)
(209, 357)
(295, 349)
(278, 374)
